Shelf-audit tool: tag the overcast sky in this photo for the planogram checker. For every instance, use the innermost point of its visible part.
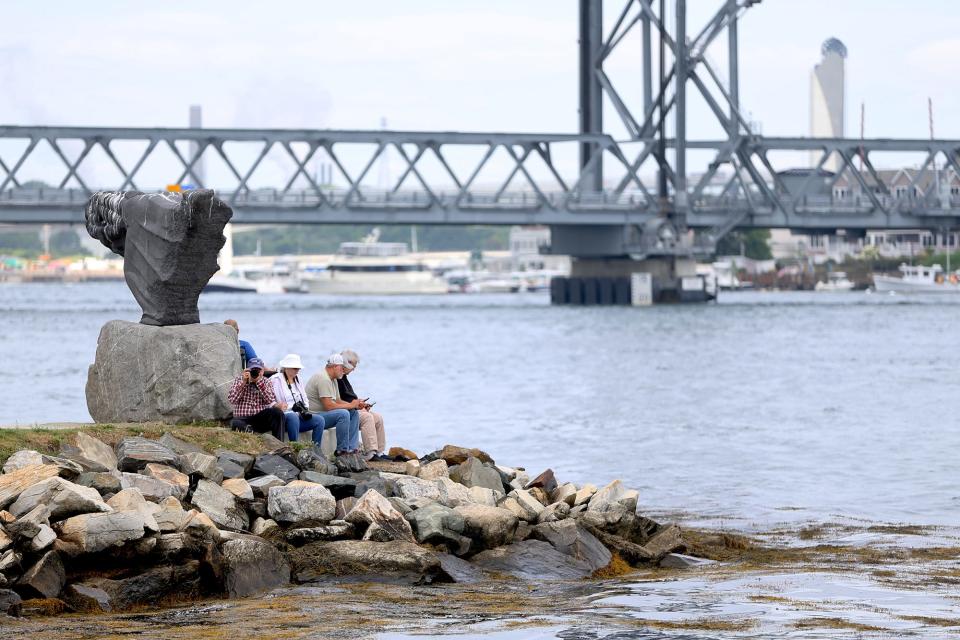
(430, 65)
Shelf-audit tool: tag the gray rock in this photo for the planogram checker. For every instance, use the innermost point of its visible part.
(229, 469)
(220, 505)
(261, 485)
(263, 526)
(336, 530)
(680, 561)
(6, 541)
(230, 461)
(178, 446)
(615, 496)
(202, 464)
(14, 483)
(152, 489)
(532, 560)
(10, 561)
(87, 599)
(28, 525)
(144, 589)
(27, 458)
(91, 453)
(239, 487)
(571, 539)
(438, 525)
(460, 570)
(309, 460)
(93, 532)
(452, 494)
(554, 512)
(301, 502)
(103, 482)
(564, 493)
(473, 473)
(433, 470)
(398, 504)
(667, 540)
(410, 488)
(531, 506)
(168, 474)
(44, 579)
(374, 483)
(488, 527)
(133, 454)
(343, 507)
(274, 465)
(357, 557)
(170, 517)
(133, 500)
(251, 565)
(338, 486)
(10, 603)
(169, 374)
(372, 509)
(62, 499)
(44, 538)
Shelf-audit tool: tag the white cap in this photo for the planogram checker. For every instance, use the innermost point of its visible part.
(335, 359)
(290, 361)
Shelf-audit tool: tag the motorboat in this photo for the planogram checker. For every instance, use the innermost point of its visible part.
(374, 268)
(275, 279)
(836, 281)
(918, 279)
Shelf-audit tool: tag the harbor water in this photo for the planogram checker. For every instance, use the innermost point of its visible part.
(761, 409)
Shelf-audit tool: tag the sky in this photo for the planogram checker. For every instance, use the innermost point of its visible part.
(430, 65)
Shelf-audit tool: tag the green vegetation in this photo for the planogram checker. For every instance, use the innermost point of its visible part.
(313, 239)
(930, 259)
(754, 244)
(64, 242)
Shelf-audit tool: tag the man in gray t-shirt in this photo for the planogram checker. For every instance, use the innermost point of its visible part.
(323, 396)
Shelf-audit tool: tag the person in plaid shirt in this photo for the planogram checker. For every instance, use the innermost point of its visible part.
(255, 406)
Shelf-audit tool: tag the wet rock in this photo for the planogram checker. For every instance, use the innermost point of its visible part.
(400, 452)
(93, 532)
(680, 561)
(220, 505)
(273, 465)
(453, 454)
(44, 579)
(533, 560)
(263, 527)
(564, 493)
(87, 599)
(230, 461)
(488, 527)
(201, 464)
(409, 488)
(531, 506)
(102, 482)
(665, 541)
(62, 499)
(452, 494)
(261, 485)
(152, 489)
(473, 473)
(433, 470)
(133, 500)
(634, 554)
(583, 495)
(459, 569)
(251, 565)
(545, 481)
(439, 525)
(16, 482)
(27, 458)
(554, 512)
(571, 539)
(412, 468)
(10, 603)
(310, 460)
(356, 557)
(239, 487)
(344, 506)
(338, 486)
(336, 530)
(147, 588)
(372, 509)
(301, 502)
(168, 474)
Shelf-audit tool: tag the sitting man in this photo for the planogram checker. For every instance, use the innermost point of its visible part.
(324, 397)
(371, 424)
(289, 390)
(255, 407)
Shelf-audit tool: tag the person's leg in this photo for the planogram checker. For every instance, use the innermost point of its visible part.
(354, 430)
(293, 425)
(315, 424)
(368, 434)
(339, 419)
(275, 417)
(381, 435)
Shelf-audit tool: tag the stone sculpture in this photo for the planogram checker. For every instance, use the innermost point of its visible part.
(169, 242)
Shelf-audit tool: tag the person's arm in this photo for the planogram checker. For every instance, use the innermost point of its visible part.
(271, 397)
(236, 390)
(329, 404)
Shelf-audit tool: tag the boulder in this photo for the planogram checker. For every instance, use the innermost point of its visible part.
(230, 461)
(310, 460)
(44, 579)
(571, 539)
(146, 588)
(532, 560)
(555, 512)
(400, 452)
(409, 488)
(564, 493)
(357, 557)
(262, 484)
(459, 570)
(513, 506)
(220, 505)
(400, 505)
(16, 482)
(6, 517)
(453, 454)
(239, 487)
(372, 509)
(482, 495)
(507, 474)
(133, 454)
(488, 527)
(387, 466)
(93, 532)
(374, 483)
(44, 538)
(178, 446)
(340, 487)
(91, 453)
(614, 497)
(86, 598)
(665, 541)
(473, 473)
(680, 561)
(10, 603)
(634, 554)
(168, 474)
(274, 465)
(530, 505)
(336, 530)
(133, 500)
(301, 502)
(28, 458)
(344, 506)
(153, 489)
(583, 495)
(453, 494)
(433, 470)
(439, 525)
(250, 565)
(62, 499)
(29, 524)
(412, 468)
(103, 482)
(539, 495)
(545, 481)
(201, 464)
(170, 517)
(9, 561)
(169, 374)
(200, 528)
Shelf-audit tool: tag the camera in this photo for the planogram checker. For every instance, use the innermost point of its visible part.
(255, 373)
(301, 409)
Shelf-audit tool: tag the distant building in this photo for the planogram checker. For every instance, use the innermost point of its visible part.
(826, 98)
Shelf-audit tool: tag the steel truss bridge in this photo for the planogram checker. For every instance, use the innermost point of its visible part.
(607, 185)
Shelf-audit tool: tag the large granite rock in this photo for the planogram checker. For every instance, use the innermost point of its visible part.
(93, 532)
(14, 483)
(489, 527)
(105, 594)
(301, 502)
(90, 453)
(571, 539)
(62, 499)
(169, 243)
(134, 453)
(347, 557)
(533, 560)
(171, 374)
(153, 489)
(27, 458)
(250, 565)
(473, 473)
(271, 464)
(439, 525)
(202, 464)
(44, 579)
(220, 505)
(374, 509)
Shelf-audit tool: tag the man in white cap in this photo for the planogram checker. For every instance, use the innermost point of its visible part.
(324, 396)
(371, 423)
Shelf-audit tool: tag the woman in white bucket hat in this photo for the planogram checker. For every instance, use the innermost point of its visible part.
(288, 388)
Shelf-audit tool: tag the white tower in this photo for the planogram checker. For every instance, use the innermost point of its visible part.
(826, 98)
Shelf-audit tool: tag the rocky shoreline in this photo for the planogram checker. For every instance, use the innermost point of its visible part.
(150, 522)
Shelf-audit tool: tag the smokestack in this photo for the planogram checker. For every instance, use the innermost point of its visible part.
(196, 122)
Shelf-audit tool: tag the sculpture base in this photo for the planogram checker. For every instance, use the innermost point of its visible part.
(174, 374)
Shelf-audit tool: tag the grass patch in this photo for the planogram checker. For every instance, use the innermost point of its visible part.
(929, 621)
(834, 623)
(208, 435)
(700, 624)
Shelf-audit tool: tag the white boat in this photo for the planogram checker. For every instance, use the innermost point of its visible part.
(374, 268)
(466, 281)
(836, 281)
(274, 279)
(918, 279)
